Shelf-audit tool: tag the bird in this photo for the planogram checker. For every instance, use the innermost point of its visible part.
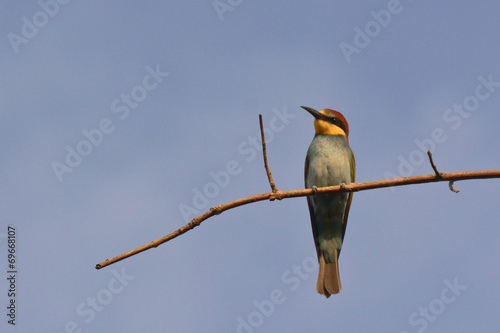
(329, 161)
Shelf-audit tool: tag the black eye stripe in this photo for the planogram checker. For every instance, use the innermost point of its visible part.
(337, 122)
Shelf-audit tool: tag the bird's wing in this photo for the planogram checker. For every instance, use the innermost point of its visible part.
(311, 210)
(349, 198)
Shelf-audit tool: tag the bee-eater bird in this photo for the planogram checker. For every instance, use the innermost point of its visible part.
(329, 162)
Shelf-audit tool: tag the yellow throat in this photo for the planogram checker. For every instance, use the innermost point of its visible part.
(324, 128)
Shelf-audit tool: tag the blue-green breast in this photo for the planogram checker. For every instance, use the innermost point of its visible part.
(328, 162)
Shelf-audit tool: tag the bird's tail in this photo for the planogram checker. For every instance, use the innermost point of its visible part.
(328, 277)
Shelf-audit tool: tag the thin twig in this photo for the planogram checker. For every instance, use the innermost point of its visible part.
(264, 152)
(456, 190)
(438, 174)
(352, 187)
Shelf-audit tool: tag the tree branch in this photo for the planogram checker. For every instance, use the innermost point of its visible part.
(352, 187)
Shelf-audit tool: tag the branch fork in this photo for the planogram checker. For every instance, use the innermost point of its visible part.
(439, 175)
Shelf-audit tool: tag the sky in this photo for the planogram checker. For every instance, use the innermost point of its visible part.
(122, 121)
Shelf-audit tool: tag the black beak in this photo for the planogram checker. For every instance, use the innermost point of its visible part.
(314, 113)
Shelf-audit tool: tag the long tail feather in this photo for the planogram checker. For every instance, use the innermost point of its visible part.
(328, 277)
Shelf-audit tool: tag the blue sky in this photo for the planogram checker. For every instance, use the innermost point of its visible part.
(117, 116)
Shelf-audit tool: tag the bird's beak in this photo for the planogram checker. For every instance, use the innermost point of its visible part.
(314, 113)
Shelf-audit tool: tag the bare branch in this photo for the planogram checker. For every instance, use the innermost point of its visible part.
(353, 187)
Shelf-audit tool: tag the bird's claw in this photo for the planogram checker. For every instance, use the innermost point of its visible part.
(314, 190)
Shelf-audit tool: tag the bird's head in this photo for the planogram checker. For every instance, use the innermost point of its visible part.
(329, 122)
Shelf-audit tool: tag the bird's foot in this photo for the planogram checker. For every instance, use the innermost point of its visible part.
(342, 187)
(314, 190)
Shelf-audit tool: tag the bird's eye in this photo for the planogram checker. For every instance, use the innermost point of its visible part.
(333, 120)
